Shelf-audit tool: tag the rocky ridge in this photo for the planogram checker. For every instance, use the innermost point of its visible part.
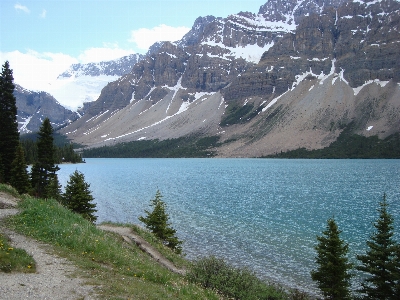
(116, 67)
(33, 107)
(340, 59)
(361, 38)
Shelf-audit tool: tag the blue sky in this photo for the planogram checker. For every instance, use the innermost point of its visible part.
(54, 34)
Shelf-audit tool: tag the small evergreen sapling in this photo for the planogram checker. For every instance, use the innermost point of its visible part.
(157, 222)
(332, 274)
(78, 197)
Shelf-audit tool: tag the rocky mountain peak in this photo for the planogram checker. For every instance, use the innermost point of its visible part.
(116, 67)
(195, 35)
(291, 76)
(292, 11)
(356, 38)
(33, 107)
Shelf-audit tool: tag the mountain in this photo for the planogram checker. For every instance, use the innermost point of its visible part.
(293, 75)
(82, 83)
(116, 67)
(34, 107)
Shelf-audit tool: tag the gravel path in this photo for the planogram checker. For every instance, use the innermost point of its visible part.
(54, 277)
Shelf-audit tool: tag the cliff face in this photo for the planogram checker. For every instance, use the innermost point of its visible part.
(293, 75)
(209, 57)
(34, 107)
(357, 39)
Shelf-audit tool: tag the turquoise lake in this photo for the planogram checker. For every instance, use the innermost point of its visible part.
(261, 213)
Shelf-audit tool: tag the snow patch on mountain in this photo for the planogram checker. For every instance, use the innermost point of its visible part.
(250, 53)
(299, 78)
(377, 81)
(23, 128)
(260, 23)
(200, 95)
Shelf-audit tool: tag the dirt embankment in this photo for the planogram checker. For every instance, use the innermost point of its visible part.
(130, 237)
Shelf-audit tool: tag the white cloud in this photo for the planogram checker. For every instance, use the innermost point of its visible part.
(43, 14)
(39, 71)
(108, 52)
(36, 71)
(23, 8)
(145, 37)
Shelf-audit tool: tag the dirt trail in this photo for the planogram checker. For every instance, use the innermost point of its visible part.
(55, 276)
(130, 236)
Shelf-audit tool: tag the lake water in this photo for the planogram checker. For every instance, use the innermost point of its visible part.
(261, 213)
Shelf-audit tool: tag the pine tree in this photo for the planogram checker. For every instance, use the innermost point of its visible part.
(19, 175)
(9, 135)
(157, 222)
(380, 259)
(44, 169)
(78, 198)
(1, 171)
(53, 188)
(332, 274)
(396, 273)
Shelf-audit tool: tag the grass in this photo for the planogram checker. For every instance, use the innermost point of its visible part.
(178, 260)
(5, 188)
(14, 259)
(122, 271)
(104, 259)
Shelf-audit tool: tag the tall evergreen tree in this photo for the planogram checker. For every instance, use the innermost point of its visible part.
(397, 273)
(157, 222)
(78, 198)
(332, 274)
(380, 259)
(44, 169)
(19, 175)
(9, 135)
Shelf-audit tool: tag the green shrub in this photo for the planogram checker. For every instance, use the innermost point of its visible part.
(234, 283)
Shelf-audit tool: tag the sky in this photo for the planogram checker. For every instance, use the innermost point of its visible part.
(41, 39)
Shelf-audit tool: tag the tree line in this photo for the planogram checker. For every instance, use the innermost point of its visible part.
(63, 154)
(191, 146)
(350, 145)
(42, 180)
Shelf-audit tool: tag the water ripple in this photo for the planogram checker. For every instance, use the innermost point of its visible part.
(264, 214)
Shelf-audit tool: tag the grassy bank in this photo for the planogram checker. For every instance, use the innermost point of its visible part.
(122, 271)
(14, 259)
